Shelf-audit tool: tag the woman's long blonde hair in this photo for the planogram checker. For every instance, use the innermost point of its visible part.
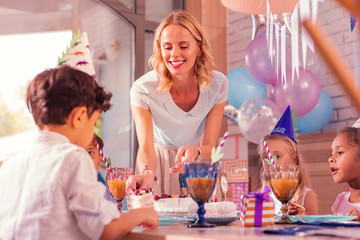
(204, 64)
(293, 150)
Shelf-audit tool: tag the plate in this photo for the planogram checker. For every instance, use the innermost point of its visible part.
(168, 220)
(221, 221)
(317, 218)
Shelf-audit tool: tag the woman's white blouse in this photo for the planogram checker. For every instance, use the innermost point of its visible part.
(172, 126)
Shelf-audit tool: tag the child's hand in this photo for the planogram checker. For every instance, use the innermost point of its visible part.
(151, 218)
(353, 212)
(295, 208)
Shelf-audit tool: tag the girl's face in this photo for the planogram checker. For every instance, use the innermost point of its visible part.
(344, 161)
(280, 150)
(179, 49)
(94, 154)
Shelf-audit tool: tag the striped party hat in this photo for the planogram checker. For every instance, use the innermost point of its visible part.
(78, 55)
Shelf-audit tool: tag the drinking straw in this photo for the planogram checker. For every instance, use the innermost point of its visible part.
(224, 139)
(216, 154)
(268, 151)
(102, 156)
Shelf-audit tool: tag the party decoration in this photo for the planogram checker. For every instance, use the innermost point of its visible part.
(285, 126)
(78, 55)
(353, 21)
(257, 117)
(271, 160)
(259, 26)
(318, 117)
(259, 6)
(259, 63)
(243, 86)
(216, 154)
(257, 209)
(356, 124)
(302, 95)
(231, 113)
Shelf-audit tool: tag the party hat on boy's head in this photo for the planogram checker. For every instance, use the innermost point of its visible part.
(356, 124)
(78, 55)
(285, 125)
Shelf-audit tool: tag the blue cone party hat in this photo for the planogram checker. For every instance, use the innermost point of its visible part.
(78, 56)
(285, 125)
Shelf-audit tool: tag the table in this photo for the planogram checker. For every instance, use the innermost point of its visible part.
(179, 231)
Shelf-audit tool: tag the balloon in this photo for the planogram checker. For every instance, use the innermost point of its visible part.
(257, 117)
(258, 61)
(243, 86)
(231, 113)
(302, 96)
(318, 117)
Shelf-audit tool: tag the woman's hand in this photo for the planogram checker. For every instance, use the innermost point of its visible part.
(353, 212)
(295, 208)
(185, 154)
(140, 181)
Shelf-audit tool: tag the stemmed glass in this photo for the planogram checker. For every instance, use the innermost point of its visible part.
(284, 180)
(200, 179)
(182, 182)
(116, 183)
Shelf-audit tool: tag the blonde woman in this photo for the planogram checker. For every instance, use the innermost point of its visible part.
(178, 106)
(286, 151)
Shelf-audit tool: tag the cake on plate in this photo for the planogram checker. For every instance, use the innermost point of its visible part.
(172, 205)
(183, 206)
(140, 199)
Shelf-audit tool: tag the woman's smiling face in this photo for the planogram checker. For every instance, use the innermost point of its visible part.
(344, 161)
(179, 49)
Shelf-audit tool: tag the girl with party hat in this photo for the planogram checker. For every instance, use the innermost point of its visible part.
(282, 146)
(345, 167)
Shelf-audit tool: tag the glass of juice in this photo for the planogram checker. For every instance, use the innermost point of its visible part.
(284, 180)
(200, 179)
(183, 187)
(116, 183)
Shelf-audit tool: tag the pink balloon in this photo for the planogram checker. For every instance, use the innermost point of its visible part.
(258, 61)
(302, 96)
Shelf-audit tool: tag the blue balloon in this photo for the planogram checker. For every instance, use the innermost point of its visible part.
(318, 117)
(243, 86)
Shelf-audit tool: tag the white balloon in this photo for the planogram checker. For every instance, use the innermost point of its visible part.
(257, 117)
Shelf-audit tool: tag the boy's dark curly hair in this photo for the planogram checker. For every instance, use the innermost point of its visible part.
(54, 93)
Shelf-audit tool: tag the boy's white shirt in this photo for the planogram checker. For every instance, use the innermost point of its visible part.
(50, 191)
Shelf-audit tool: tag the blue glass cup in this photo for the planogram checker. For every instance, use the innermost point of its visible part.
(200, 179)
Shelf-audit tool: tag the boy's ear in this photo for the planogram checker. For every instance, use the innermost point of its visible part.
(77, 116)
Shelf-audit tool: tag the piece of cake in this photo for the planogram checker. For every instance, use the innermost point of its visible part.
(140, 199)
(215, 210)
(172, 205)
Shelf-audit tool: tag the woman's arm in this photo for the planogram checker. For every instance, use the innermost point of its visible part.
(146, 157)
(211, 135)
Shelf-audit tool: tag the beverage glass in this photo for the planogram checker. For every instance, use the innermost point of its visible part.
(182, 182)
(284, 181)
(116, 183)
(200, 179)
